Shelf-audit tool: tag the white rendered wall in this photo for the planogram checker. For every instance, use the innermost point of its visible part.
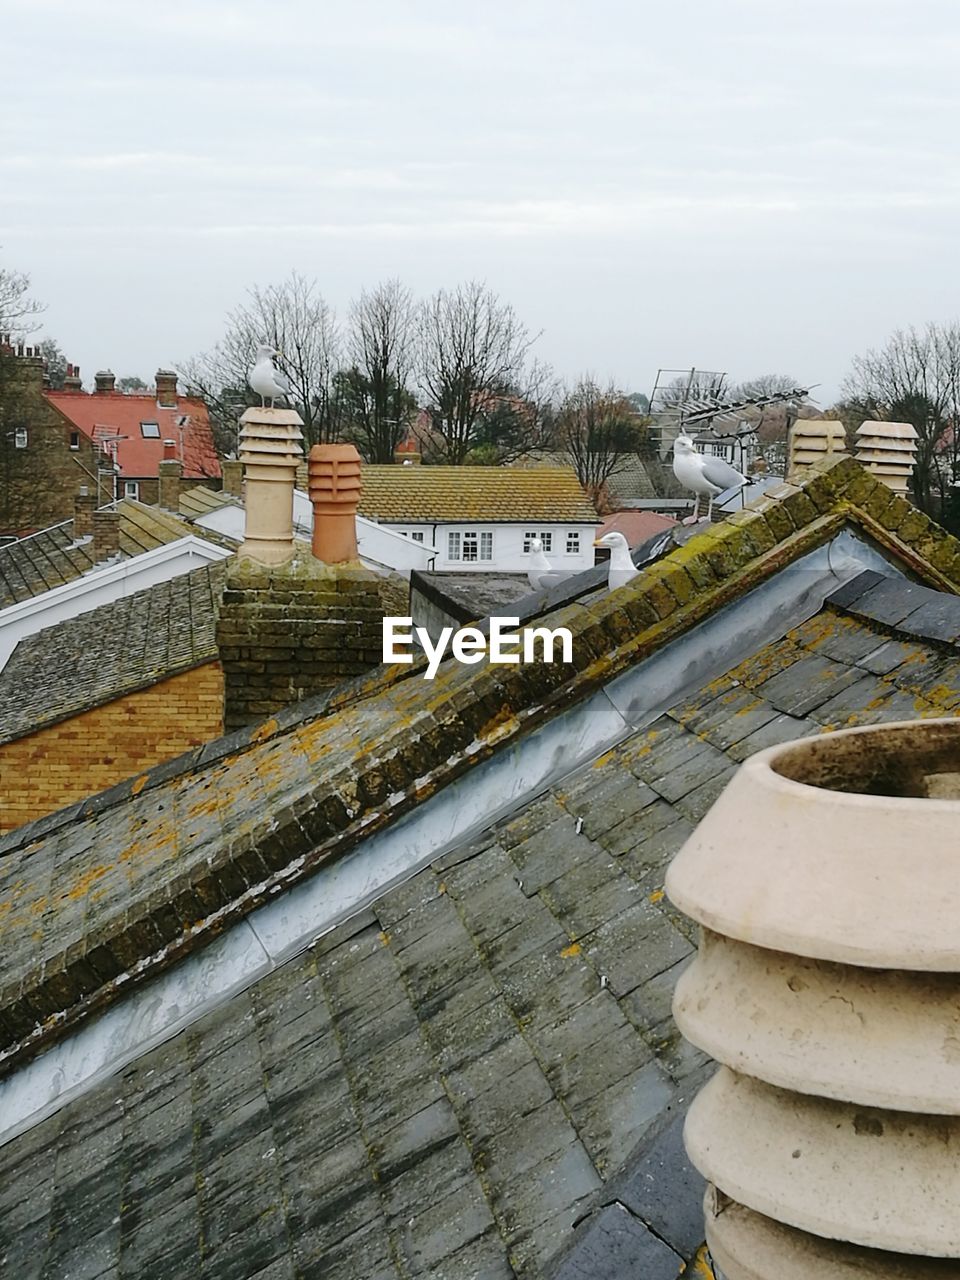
(508, 539)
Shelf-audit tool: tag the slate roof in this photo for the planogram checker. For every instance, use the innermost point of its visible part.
(199, 501)
(449, 1082)
(110, 651)
(103, 415)
(491, 494)
(382, 1104)
(631, 480)
(54, 556)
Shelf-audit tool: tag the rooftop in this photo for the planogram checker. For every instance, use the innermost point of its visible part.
(53, 557)
(110, 651)
(475, 1074)
(114, 415)
(516, 494)
(417, 932)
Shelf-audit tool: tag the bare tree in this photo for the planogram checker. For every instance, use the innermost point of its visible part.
(915, 378)
(472, 350)
(18, 311)
(599, 429)
(377, 400)
(295, 319)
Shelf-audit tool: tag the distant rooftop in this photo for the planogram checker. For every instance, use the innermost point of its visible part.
(444, 494)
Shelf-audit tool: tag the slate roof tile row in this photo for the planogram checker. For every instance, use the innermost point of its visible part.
(447, 1084)
(53, 557)
(86, 661)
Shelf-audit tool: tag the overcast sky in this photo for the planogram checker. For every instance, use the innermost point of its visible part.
(744, 185)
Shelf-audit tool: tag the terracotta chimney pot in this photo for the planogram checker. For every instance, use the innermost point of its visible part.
(335, 492)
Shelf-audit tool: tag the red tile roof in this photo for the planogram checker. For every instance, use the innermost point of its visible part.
(104, 415)
(636, 526)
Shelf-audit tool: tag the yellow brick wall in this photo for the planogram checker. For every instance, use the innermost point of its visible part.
(81, 756)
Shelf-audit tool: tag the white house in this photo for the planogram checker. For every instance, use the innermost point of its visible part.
(485, 518)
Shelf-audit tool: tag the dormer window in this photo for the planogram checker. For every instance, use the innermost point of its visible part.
(150, 430)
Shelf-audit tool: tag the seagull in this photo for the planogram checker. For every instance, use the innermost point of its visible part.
(702, 473)
(622, 569)
(266, 379)
(541, 573)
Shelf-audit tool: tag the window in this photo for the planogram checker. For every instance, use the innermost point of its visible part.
(131, 488)
(573, 542)
(74, 439)
(150, 430)
(470, 546)
(545, 536)
(417, 537)
(21, 437)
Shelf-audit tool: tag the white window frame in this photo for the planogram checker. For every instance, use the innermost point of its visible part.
(131, 489)
(573, 542)
(21, 437)
(545, 536)
(477, 542)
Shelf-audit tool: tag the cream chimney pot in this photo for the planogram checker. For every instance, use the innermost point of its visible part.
(889, 451)
(827, 985)
(812, 439)
(270, 451)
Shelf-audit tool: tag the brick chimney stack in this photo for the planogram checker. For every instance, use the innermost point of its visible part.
(231, 469)
(84, 505)
(106, 535)
(73, 381)
(105, 380)
(290, 626)
(166, 381)
(334, 494)
(170, 472)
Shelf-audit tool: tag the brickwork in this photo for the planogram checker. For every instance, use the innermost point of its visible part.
(73, 759)
(285, 633)
(38, 482)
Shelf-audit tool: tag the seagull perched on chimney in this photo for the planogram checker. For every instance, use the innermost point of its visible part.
(266, 379)
(703, 473)
(622, 569)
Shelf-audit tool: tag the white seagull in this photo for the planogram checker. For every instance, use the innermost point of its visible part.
(266, 379)
(702, 473)
(622, 569)
(541, 573)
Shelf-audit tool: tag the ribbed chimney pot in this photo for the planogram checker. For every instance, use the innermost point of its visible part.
(270, 451)
(827, 985)
(335, 492)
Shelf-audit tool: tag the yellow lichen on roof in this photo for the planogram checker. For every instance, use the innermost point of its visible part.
(517, 494)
